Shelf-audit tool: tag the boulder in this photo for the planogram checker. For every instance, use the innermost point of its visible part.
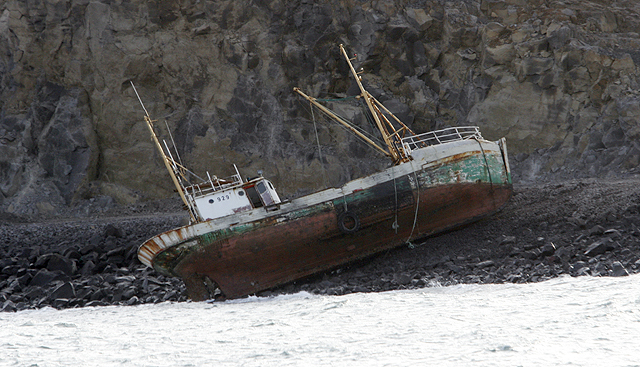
(64, 291)
(618, 270)
(548, 249)
(44, 277)
(58, 262)
(598, 248)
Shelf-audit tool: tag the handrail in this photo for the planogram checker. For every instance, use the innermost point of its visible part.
(440, 137)
(215, 184)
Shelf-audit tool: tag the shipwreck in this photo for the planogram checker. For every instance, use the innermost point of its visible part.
(242, 238)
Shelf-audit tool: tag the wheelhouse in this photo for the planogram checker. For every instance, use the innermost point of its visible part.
(219, 197)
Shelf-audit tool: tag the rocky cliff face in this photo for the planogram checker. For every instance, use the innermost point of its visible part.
(559, 79)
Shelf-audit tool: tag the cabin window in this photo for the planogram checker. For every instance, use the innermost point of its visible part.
(253, 196)
(264, 194)
(261, 187)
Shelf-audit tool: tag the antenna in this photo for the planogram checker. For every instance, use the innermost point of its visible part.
(139, 99)
(174, 143)
(169, 163)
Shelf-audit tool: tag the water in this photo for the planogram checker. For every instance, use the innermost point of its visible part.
(562, 322)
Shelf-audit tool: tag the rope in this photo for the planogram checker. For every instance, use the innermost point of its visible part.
(415, 217)
(361, 130)
(486, 164)
(315, 128)
(395, 225)
(344, 199)
(335, 99)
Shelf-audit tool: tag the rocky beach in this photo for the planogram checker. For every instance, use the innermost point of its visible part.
(572, 228)
(81, 186)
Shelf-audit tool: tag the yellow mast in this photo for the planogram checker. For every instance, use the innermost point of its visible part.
(341, 121)
(395, 154)
(166, 160)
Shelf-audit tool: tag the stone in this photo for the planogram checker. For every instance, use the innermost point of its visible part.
(8, 306)
(485, 264)
(579, 265)
(535, 65)
(508, 240)
(597, 248)
(112, 230)
(42, 260)
(87, 268)
(403, 279)
(132, 301)
(548, 249)
(58, 262)
(618, 270)
(596, 230)
(65, 291)
(43, 277)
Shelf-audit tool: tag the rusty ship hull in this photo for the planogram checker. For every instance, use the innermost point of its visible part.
(441, 187)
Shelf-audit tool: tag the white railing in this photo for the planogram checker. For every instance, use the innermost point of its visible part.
(214, 184)
(439, 137)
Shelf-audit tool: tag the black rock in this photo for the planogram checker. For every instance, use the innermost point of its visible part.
(91, 247)
(548, 249)
(508, 240)
(60, 303)
(613, 233)
(44, 277)
(11, 269)
(596, 230)
(531, 255)
(42, 261)
(111, 230)
(34, 293)
(8, 306)
(61, 263)
(485, 264)
(597, 248)
(64, 291)
(87, 268)
(564, 252)
(403, 279)
(618, 269)
(95, 303)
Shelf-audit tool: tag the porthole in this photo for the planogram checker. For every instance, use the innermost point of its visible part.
(210, 201)
(240, 193)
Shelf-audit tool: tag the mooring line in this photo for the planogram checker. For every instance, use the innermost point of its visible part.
(415, 217)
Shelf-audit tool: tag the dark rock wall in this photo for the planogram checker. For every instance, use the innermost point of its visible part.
(559, 79)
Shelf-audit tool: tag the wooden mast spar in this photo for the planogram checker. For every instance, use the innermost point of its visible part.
(391, 139)
(169, 163)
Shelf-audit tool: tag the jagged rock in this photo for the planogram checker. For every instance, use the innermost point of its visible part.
(111, 230)
(508, 240)
(548, 249)
(403, 279)
(618, 270)
(87, 268)
(597, 248)
(43, 277)
(65, 291)
(8, 306)
(596, 230)
(60, 263)
(485, 264)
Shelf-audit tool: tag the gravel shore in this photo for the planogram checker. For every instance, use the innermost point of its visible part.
(576, 228)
